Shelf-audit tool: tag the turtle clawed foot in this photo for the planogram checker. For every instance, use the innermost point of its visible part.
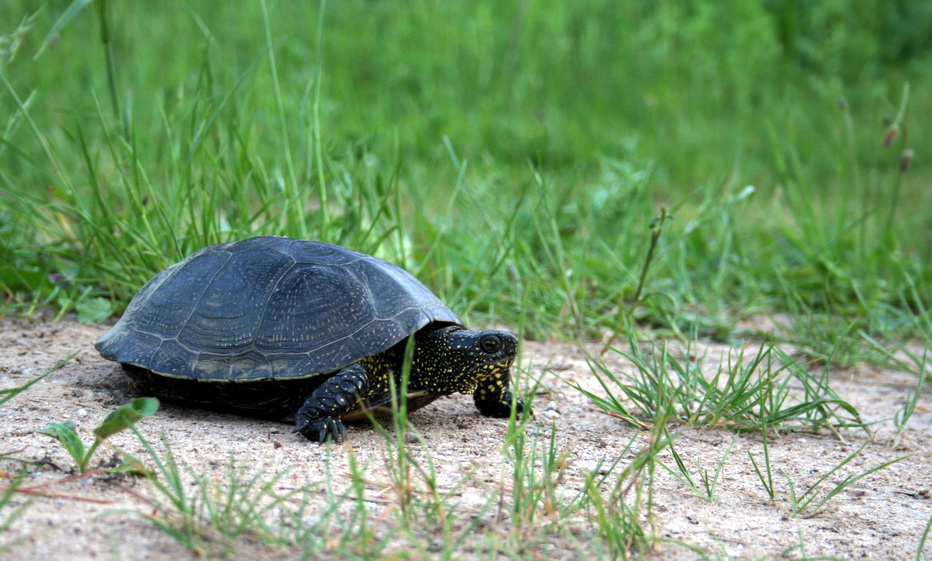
(502, 409)
(521, 408)
(322, 429)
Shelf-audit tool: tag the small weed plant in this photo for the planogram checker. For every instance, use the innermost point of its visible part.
(119, 420)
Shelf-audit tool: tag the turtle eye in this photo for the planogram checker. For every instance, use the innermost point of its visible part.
(491, 344)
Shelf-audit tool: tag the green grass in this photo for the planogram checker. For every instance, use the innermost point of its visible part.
(253, 510)
(519, 181)
(10, 511)
(6, 394)
(749, 391)
(516, 157)
(812, 500)
(707, 484)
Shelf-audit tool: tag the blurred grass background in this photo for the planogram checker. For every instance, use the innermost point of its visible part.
(513, 153)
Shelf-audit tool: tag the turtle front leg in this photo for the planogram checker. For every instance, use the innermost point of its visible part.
(494, 399)
(319, 417)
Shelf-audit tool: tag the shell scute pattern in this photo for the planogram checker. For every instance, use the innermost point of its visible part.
(269, 308)
(167, 315)
(306, 313)
(228, 313)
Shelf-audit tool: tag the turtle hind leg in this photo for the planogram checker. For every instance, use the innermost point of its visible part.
(319, 418)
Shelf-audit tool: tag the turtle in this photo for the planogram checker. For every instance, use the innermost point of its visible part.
(305, 332)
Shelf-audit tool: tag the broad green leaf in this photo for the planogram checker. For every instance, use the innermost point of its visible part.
(94, 310)
(125, 415)
(64, 433)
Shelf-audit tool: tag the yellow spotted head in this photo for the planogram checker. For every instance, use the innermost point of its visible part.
(454, 359)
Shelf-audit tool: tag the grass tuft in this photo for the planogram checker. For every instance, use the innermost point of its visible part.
(766, 390)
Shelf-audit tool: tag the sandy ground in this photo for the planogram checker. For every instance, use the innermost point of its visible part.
(880, 517)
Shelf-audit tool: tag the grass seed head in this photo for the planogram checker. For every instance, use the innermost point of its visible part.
(893, 132)
(905, 159)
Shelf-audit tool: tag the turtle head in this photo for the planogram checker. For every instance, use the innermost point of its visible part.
(455, 359)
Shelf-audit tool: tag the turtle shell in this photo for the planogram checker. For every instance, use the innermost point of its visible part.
(269, 308)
